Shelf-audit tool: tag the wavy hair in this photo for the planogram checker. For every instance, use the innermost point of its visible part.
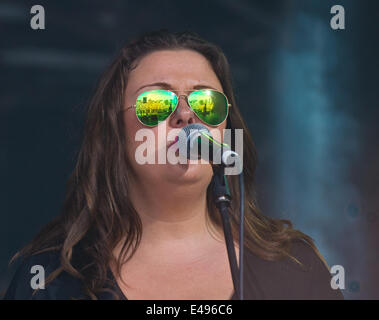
(97, 213)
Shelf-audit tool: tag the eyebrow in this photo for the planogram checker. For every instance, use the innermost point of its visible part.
(167, 86)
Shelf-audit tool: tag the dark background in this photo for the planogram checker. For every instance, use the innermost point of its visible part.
(308, 93)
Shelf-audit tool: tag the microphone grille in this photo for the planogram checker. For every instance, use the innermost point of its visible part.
(185, 138)
(193, 127)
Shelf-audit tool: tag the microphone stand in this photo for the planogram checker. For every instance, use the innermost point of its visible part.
(222, 201)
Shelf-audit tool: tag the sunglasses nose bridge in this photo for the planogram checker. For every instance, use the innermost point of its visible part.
(185, 113)
(185, 96)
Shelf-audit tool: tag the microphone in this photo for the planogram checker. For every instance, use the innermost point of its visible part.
(192, 137)
(196, 137)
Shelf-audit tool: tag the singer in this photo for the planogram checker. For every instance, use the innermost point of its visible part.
(152, 231)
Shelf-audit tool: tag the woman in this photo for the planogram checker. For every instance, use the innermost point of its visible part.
(151, 231)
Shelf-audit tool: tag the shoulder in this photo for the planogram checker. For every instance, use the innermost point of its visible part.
(303, 252)
(316, 273)
(286, 279)
(34, 270)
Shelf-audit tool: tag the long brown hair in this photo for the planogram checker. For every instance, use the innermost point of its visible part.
(97, 213)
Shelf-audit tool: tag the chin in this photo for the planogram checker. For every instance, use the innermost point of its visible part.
(189, 173)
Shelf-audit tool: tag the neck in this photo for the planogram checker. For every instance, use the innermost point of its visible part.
(175, 224)
(171, 213)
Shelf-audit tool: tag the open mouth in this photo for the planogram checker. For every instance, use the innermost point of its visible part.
(173, 142)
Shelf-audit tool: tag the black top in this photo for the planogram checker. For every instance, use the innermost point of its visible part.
(282, 279)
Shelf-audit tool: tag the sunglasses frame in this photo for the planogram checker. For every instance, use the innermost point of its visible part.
(178, 98)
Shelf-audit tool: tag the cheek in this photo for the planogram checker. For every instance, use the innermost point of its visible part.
(132, 126)
(218, 132)
(137, 134)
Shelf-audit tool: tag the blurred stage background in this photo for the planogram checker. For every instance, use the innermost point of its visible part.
(308, 93)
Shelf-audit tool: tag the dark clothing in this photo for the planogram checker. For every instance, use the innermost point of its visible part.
(282, 279)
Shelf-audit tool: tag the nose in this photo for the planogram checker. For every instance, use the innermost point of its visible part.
(183, 114)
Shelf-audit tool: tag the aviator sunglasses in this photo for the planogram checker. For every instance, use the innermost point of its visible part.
(155, 106)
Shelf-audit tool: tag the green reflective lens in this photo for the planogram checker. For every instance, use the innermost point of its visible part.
(209, 105)
(155, 106)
